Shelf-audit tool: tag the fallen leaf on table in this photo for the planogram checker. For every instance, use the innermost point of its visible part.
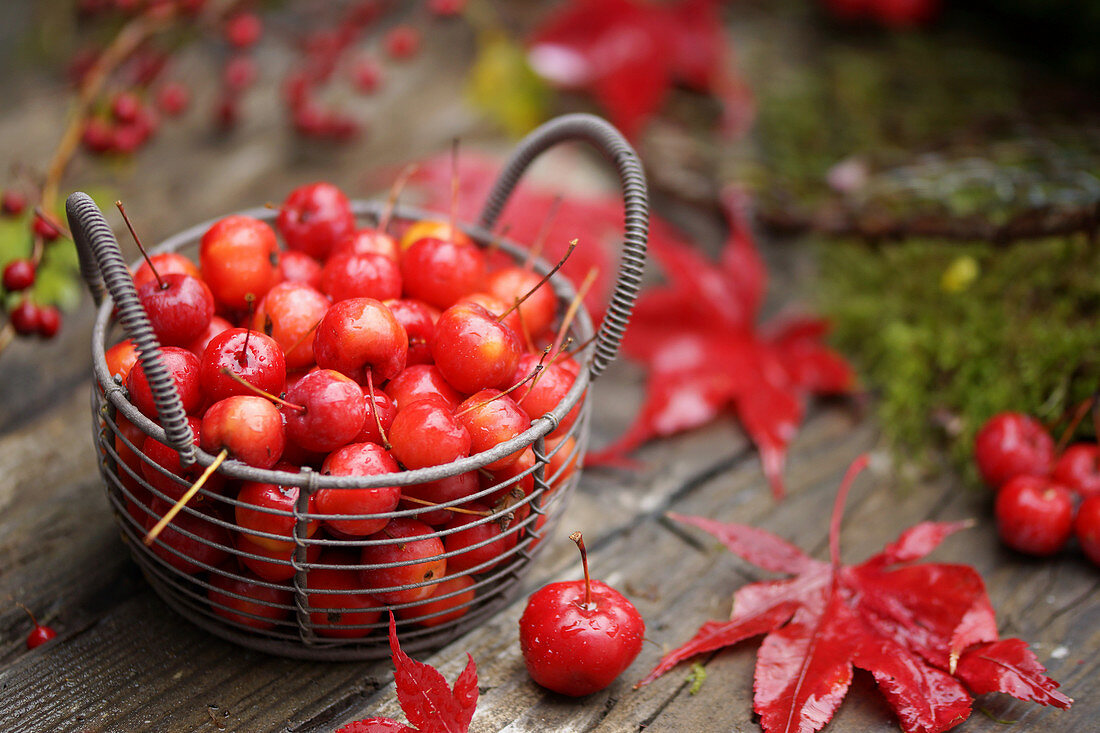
(628, 54)
(927, 632)
(698, 337)
(430, 704)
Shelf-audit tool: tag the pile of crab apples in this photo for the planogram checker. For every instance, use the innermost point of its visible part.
(352, 352)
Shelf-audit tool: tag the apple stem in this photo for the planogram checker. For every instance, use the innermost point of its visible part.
(588, 604)
(543, 233)
(395, 193)
(494, 239)
(454, 186)
(534, 374)
(242, 358)
(523, 326)
(28, 612)
(304, 336)
(171, 513)
(540, 283)
(129, 225)
(262, 393)
(1078, 415)
(581, 346)
(374, 411)
(575, 306)
(458, 509)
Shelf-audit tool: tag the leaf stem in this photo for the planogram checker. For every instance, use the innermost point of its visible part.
(858, 465)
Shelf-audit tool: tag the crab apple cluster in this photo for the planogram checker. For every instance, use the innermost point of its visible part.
(324, 345)
(1043, 497)
(26, 317)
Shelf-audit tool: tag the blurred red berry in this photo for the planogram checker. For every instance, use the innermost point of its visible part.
(173, 98)
(18, 275)
(25, 317)
(239, 73)
(243, 29)
(98, 135)
(446, 8)
(402, 42)
(227, 113)
(45, 228)
(49, 321)
(366, 75)
(125, 107)
(12, 203)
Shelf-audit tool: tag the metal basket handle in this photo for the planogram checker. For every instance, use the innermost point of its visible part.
(104, 270)
(609, 141)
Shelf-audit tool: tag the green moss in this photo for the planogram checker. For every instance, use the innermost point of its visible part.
(1020, 331)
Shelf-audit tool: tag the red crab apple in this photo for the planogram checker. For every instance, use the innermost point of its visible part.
(473, 350)
(418, 319)
(237, 358)
(1079, 469)
(248, 427)
(314, 218)
(1034, 515)
(179, 307)
(326, 411)
(272, 565)
(248, 601)
(178, 549)
(359, 334)
(416, 545)
(40, 634)
(481, 545)
(298, 267)
(519, 283)
(268, 509)
(1087, 528)
(577, 637)
(239, 258)
(165, 263)
(451, 600)
(437, 229)
(183, 368)
(421, 382)
(427, 433)
(439, 272)
(336, 613)
(290, 314)
(358, 459)
(1011, 444)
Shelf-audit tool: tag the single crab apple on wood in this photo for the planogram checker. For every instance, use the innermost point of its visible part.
(578, 636)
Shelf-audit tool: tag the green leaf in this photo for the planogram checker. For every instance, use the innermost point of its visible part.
(503, 84)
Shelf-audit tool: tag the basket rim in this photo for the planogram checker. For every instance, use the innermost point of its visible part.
(310, 480)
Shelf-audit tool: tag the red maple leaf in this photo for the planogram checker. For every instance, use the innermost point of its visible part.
(927, 632)
(430, 704)
(627, 53)
(698, 337)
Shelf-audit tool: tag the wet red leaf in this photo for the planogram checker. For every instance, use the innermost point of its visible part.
(430, 704)
(926, 632)
(698, 337)
(628, 53)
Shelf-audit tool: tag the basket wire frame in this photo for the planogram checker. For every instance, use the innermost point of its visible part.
(283, 621)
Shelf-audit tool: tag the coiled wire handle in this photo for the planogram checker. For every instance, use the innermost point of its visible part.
(609, 141)
(103, 268)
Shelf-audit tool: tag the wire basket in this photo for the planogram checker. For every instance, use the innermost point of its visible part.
(197, 564)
